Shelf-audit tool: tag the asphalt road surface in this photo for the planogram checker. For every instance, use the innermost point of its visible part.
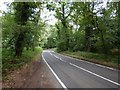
(74, 73)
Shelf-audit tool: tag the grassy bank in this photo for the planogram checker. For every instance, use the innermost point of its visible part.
(10, 63)
(108, 60)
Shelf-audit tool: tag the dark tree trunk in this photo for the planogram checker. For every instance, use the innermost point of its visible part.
(19, 44)
(65, 26)
(88, 30)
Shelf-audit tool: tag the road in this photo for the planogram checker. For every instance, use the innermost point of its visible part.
(74, 73)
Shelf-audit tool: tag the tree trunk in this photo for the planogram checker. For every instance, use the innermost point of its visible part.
(19, 44)
(65, 26)
(88, 30)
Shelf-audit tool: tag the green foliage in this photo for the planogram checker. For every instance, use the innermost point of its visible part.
(8, 30)
(21, 28)
(95, 56)
(51, 43)
(104, 59)
(52, 38)
(21, 32)
(84, 26)
(79, 41)
(62, 26)
(61, 46)
(9, 62)
(24, 11)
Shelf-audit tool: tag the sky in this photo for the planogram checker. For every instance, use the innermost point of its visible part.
(48, 17)
(2, 7)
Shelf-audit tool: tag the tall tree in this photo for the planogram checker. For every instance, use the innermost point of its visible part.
(23, 12)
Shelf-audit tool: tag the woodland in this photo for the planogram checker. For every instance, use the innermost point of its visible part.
(89, 28)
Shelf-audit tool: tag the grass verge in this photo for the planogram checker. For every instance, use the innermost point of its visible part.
(10, 63)
(107, 60)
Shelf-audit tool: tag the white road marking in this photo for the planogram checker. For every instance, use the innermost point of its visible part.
(51, 54)
(62, 60)
(57, 57)
(95, 74)
(97, 65)
(62, 84)
(90, 63)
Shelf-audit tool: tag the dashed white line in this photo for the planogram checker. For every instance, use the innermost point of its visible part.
(95, 74)
(62, 60)
(91, 63)
(62, 84)
(57, 57)
(51, 54)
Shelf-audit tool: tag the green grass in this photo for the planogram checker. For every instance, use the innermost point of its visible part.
(107, 60)
(9, 62)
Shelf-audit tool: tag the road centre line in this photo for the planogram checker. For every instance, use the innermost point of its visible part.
(62, 60)
(57, 57)
(51, 53)
(61, 83)
(95, 74)
(90, 62)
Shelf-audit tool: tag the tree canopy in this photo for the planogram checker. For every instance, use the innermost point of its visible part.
(81, 26)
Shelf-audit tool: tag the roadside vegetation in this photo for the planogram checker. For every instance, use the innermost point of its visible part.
(21, 32)
(11, 63)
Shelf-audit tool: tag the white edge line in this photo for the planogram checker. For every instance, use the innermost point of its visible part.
(91, 63)
(62, 84)
(95, 74)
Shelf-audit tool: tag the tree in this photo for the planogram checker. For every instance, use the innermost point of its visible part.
(23, 12)
(21, 27)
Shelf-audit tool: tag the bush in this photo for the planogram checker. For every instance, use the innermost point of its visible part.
(10, 62)
(115, 51)
(61, 46)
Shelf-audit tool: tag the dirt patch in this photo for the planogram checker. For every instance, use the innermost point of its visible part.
(35, 74)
